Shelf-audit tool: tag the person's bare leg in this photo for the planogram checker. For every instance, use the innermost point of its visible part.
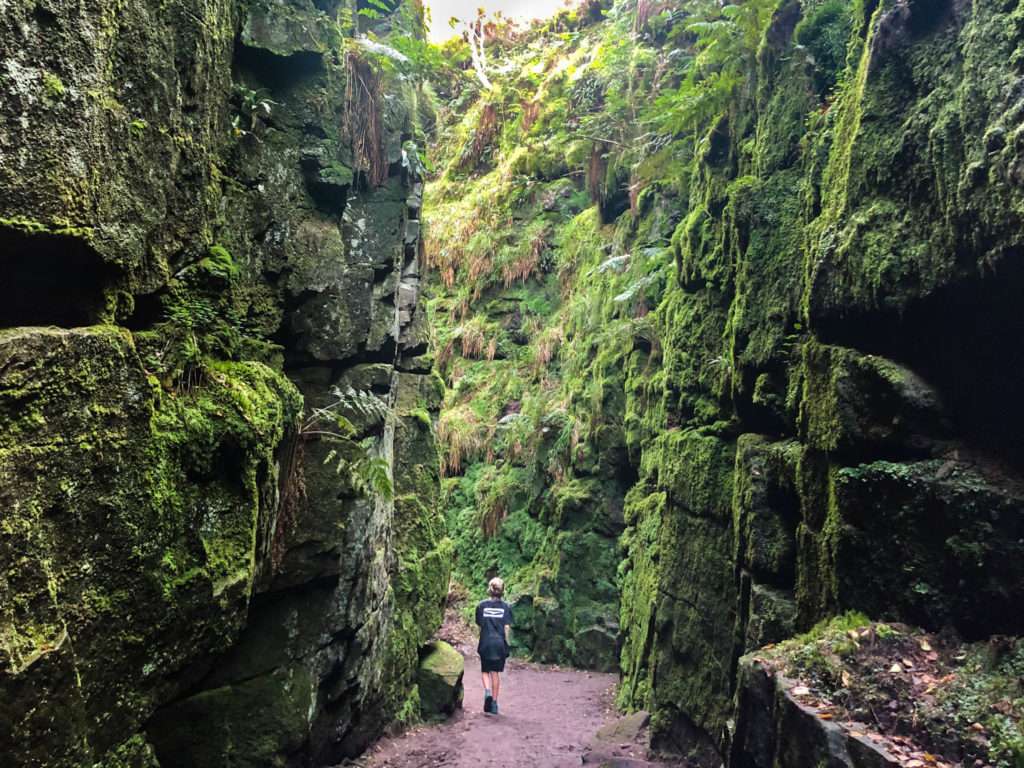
(486, 678)
(496, 684)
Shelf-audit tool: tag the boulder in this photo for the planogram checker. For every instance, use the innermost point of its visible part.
(597, 648)
(622, 742)
(440, 679)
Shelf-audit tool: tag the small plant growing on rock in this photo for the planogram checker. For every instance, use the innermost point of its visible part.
(53, 86)
(256, 107)
(352, 453)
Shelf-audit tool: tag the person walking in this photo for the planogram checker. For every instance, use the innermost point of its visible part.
(494, 617)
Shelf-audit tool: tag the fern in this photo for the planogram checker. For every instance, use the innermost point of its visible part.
(614, 264)
(373, 476)
(636, 288)
(360, 404)
(726, 41)
(340, 424)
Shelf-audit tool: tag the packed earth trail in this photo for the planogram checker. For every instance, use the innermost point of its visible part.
(550, 718)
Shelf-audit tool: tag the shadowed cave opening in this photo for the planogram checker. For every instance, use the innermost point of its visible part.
(50, 279)
(967, 340)
(279, 74)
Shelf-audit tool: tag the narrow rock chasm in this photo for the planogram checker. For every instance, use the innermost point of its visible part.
(695, 323)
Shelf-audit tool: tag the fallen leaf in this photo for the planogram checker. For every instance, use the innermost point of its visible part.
(896, 669)
(978, 727)
(825, 715)
(1003, 707)
(846, 678)
(907, 663)
(915, 763)
(800, 690)
(925, 645)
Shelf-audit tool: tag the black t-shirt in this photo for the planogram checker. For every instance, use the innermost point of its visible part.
(492, 616)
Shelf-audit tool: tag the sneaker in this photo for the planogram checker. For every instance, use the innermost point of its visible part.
(494, 707)
(490, 705)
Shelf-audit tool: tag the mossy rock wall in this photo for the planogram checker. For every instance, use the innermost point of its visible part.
(781, 350)
(200, 245)
(862, 295)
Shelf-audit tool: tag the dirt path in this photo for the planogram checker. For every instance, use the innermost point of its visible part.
(549, 717)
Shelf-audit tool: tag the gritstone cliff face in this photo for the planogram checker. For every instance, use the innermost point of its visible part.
(211, 369)
(746, 289)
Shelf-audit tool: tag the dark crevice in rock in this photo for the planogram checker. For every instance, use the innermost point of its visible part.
(148, 311)
(386, 354)
(314, 130)
(760, 403)
(928, 15)
(330, 197)
(278, 73)
(43, 16)
(380, 274)
(50, 279)
(416, 351)
(330, 7)
(378, 6)
(967, 340)
(213, 674)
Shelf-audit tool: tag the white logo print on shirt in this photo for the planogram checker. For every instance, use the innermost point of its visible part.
(494, 613)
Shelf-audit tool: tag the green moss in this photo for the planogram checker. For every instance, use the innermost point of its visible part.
(134, 753)
(683, 334)
(53, 86)
(825, 33)
(58, 227)
(991, 676)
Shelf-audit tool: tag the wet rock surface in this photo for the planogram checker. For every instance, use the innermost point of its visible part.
(188, 574)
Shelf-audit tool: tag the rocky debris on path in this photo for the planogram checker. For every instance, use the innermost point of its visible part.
(440, 680)
(624, 743)
(862, 694)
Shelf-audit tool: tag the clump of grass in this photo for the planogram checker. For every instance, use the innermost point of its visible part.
(546, 345)
(463, 437)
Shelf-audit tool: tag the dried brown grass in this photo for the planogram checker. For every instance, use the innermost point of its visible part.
(362, 120)
(463, 437)
(483, 136)
(596, 170)
(524, 266)
(531, 111)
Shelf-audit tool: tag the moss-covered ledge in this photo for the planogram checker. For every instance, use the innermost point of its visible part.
(128, 552)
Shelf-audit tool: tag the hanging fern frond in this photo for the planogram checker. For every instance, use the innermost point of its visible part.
(359, 405)
(340, 424)
(373, 477)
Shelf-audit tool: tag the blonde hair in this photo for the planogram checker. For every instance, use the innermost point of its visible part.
(496, 587)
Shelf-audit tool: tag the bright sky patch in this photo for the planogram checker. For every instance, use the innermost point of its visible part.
(522, 10)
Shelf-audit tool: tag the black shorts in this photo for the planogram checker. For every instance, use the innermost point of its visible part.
(496, 664)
